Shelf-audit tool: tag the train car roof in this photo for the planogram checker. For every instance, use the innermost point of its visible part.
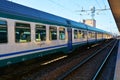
(78, 25)
(16, 11)
(19, 12)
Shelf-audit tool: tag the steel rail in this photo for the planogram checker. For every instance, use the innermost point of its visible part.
(100, 68)
(61, 77)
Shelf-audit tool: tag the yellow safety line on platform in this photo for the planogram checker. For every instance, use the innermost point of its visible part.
(94, 45)
(54, 60)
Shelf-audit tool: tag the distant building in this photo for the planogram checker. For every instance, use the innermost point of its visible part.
(90, 22)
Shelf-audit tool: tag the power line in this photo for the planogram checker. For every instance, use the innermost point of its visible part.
(98, 3)
(76, 4)
(103, 2)
(93, 10)
(104, 6)
(58, 4)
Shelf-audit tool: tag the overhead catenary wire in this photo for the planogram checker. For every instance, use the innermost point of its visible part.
(58, 4)
(98, 4)
(103, 2)
(106, 13)
(76, 4)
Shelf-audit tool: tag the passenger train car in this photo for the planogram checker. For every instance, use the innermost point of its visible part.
(26, 33)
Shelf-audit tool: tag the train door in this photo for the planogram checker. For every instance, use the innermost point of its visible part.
(69, 30)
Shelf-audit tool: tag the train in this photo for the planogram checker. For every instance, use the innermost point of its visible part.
(27, 33)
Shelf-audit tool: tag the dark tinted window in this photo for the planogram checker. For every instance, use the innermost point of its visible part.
(75, 34)
(62, 33)
(80, 34)
(22, 32)
(53, 33)
(40, 33)
(3, 32)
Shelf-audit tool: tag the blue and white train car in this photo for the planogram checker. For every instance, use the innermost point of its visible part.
(26, 33)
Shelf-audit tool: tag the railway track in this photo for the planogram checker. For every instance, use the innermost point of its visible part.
(37, 71)
(68, 64)
(108, 70)
(89, 68)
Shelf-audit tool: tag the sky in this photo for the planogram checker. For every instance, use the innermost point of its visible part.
(70, 9)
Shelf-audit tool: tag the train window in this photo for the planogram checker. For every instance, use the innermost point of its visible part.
(40, 33)
(75, 34)
(22, 32)
(3, 32)
(80, 34)
(53, 33)
(83, 34)
(93, 35)
(62, 33)
(89, 34)
(99, 35)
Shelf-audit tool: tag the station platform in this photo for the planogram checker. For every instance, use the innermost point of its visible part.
(117, 68)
